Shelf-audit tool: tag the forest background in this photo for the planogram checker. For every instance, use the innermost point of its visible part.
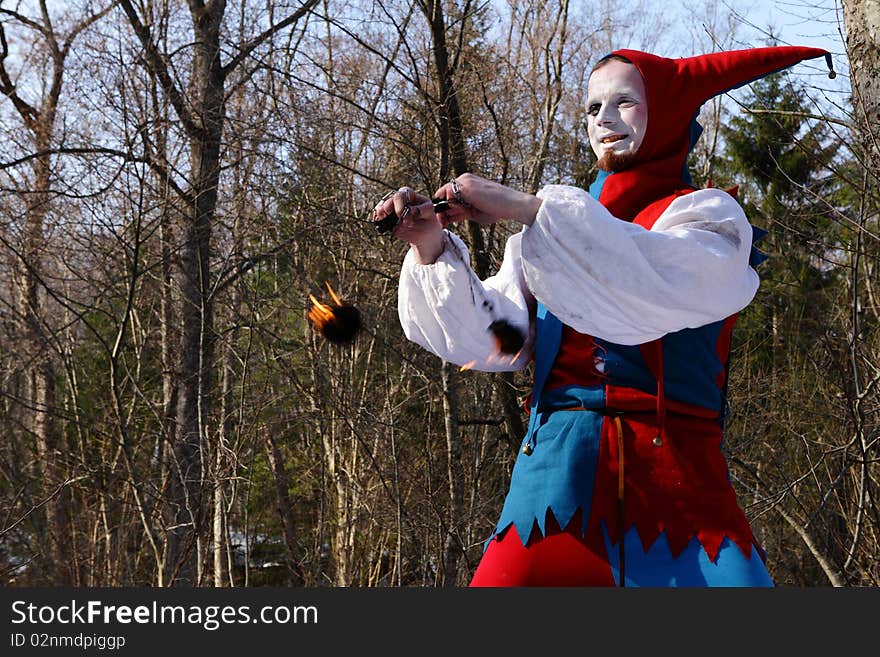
(176, 179)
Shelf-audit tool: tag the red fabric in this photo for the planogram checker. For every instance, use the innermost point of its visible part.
(575, 362)
(652, 353)
(724, 349)
(649, 215)
(620, 398)
(680, 487)
(562, 558)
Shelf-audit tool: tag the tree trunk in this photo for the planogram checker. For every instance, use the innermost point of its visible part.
(197, 336)
(284, 506)
(453, 547)
(201, 111)
(168, 334)
(862, 18)
(222, 473)
(163, 456)
(41, 370)
(42, 395)
(452, 157)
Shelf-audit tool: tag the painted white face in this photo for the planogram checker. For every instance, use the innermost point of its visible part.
(617, 113)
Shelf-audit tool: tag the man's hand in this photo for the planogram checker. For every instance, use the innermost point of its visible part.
(485, 201)
(418, 224)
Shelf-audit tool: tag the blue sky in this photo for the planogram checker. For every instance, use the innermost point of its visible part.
(815, 23)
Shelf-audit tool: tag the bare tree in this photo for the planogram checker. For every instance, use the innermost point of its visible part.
(862, 18)
(39, 119)
(201, 109)
(210, 164)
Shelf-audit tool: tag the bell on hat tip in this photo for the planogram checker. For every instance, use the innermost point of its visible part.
(831, 72)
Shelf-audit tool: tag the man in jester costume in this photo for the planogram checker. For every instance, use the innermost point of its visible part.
(626, 297)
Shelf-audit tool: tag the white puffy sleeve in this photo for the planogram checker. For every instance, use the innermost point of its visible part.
(620, 282)
(446, 309)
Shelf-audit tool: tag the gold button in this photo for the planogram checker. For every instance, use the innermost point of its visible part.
(657, 440)
(527, 449)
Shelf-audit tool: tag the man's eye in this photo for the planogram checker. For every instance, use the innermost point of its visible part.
(593, 110)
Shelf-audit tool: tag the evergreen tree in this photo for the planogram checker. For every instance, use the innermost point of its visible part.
(788, 169)
(783, 163)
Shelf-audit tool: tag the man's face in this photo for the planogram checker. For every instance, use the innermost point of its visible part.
(617, 114)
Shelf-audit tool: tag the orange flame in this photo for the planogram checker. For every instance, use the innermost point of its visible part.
(337, 321)
(336, 299)
(320, 313)
(497, 357)
(504, 358)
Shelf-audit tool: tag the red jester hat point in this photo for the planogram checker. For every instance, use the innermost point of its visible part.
(676, 89)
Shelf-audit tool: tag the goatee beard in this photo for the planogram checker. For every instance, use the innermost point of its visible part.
(611, 161)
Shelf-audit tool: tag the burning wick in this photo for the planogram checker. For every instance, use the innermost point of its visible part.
(509, 342)
(338, 322)
(508, 338)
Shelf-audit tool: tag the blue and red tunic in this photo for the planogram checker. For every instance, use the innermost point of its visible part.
(621, 469)
(627, 439)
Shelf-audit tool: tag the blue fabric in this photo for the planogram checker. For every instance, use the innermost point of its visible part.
(625, 367)
(598, 183)
(756, 257)
(558, 475)
(691, 366)
(692, 568)
(548, 338)
(573, 396)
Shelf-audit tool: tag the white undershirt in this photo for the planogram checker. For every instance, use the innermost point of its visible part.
(602, 276)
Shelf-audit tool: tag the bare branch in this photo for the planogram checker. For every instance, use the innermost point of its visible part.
(254, 43)
(126, 156)
(803, 115)
(159, 67)
(7, 86)
(91, 20)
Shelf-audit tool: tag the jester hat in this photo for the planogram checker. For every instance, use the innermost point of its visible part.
(676, 89)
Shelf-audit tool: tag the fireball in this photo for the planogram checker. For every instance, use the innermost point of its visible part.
(338, 322)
